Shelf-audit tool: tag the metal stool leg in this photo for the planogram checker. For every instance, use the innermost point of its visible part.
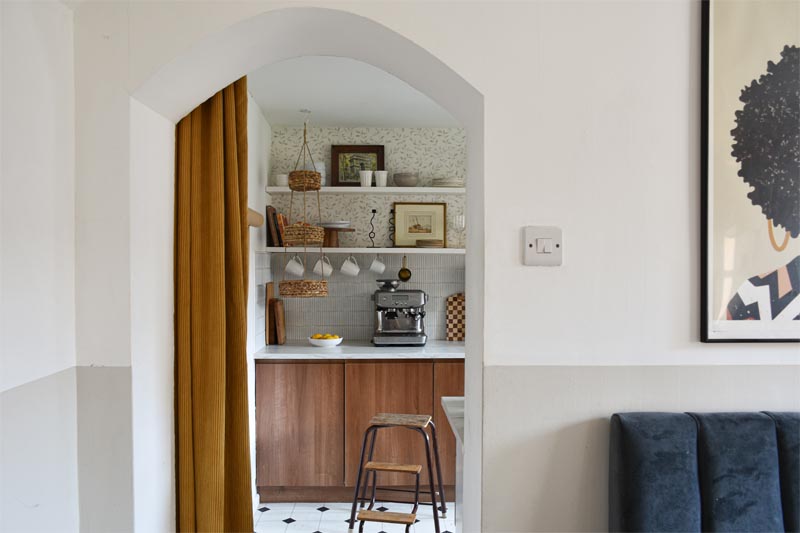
(430, 479)
(374, 474)
(438, 469)
(416, 502)
(369, 431)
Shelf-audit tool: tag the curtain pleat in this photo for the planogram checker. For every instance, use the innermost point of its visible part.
(211, 254)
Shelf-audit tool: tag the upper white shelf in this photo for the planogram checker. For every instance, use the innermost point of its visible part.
(271, 189)
(385, 251)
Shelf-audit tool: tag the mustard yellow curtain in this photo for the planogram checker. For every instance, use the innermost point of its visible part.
(211, 253)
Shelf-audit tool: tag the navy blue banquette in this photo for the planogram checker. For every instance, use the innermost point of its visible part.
(705, 472)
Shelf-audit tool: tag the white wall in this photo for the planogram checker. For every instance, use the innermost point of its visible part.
(152, 334)
(259, 139)
(103, 268)
(38, 405)
(596, 145)
(102, 275)
(259, 143)
(37, 227)
(591, 117)
(547, 431)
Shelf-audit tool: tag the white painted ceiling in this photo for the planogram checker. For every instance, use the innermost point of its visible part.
(342, 92)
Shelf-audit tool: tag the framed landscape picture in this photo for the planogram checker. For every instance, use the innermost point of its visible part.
(419, 221)
(347, 160)
(750, 162)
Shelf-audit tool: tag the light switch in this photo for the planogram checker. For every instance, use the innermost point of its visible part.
(543, 246)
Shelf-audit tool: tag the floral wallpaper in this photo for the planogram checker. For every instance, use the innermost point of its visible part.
(433, 152)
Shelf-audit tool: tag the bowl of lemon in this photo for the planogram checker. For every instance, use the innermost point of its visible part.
(325, 340)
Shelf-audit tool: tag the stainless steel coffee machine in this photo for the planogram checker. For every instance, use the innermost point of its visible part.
(399, 315)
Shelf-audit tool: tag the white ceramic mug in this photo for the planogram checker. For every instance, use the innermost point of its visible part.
(282, 180)
(377, 265)
(323, 267)
(295, 266)
(380, 178)
(350, 267)
(366, 178)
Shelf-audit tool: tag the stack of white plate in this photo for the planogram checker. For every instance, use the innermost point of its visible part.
(447, 182)
(338, 224)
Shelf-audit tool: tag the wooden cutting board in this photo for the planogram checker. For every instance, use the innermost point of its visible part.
(269, 316)
(456, 310)
(280, 322)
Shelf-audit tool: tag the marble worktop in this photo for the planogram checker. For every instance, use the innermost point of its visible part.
(453, 407)
(362, 350)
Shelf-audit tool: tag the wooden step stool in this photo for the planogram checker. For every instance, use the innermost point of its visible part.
(418, 423)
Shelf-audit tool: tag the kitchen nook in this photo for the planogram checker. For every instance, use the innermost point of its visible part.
(358, 314)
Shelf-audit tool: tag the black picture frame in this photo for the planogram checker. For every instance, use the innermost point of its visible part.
(338, 150)
(705, 192)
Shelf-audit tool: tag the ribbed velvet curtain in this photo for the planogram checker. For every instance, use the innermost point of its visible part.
(211, 254)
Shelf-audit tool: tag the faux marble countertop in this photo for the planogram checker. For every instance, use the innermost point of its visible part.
(454, 410)
(362, 350)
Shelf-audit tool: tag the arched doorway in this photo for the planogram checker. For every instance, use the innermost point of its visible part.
(293, 32)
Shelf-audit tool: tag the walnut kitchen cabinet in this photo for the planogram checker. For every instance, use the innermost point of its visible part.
(373, 387)
(299, 424)
(311, 417)
(448, 380)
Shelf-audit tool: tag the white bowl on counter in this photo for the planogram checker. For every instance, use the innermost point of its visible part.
(325, 343)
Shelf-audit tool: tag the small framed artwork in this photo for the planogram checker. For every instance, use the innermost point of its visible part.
(419, 221)
(347, 160)
(750, 171)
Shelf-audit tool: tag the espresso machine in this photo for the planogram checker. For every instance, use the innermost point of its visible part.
(399, 315)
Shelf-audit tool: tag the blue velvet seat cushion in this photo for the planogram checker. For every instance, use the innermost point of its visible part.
(739, 472)
(653, 477)
(787, 426)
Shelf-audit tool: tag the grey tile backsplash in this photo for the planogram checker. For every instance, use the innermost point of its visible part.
(349, 310)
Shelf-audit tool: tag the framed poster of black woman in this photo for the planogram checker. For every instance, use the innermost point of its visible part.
(750, 171)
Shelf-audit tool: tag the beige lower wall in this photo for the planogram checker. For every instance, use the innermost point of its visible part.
(545, 463)
(38, 455)
(105, 449)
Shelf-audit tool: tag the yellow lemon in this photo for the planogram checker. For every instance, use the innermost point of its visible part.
(335, 336)
(316, 336)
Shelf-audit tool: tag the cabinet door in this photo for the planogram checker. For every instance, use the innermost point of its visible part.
(299, 424)
(448, 380)
(404, 387)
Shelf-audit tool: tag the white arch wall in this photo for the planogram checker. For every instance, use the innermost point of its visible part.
(591, 112)
(124, 182)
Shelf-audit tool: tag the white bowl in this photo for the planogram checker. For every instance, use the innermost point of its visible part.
(325, 343)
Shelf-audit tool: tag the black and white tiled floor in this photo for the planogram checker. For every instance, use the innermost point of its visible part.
(332, 518)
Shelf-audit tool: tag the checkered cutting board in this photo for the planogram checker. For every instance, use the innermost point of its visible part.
(456, 317)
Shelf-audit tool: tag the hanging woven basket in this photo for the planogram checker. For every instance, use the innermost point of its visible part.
(302, 234)
(304, 180)
(303, 288)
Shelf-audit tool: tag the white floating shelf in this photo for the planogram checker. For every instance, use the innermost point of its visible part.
(376, 190)
(386, 251)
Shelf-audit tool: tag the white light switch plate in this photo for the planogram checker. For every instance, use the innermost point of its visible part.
(544, 246)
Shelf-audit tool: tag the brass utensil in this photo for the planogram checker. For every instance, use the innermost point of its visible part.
(405, 273)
